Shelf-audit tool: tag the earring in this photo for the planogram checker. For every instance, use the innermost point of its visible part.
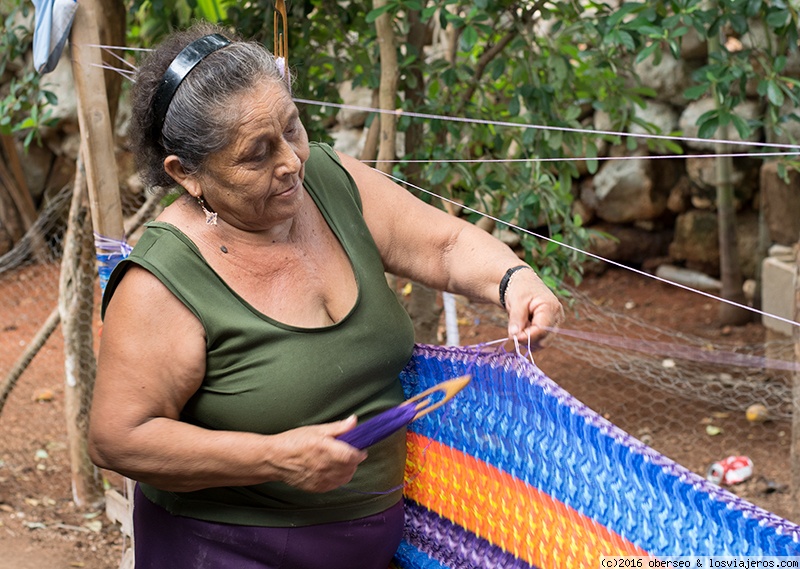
(211, 216)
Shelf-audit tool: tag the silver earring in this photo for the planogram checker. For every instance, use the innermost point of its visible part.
(211, 216)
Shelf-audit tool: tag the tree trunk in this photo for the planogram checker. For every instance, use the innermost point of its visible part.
(370, 151)
(76, 304)
(730, 269)
(423, 303)
(10, 220)
(388, 87)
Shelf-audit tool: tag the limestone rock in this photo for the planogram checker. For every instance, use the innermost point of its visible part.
(696, 241)
(702, 171)
(633, 190)
(694, 110)
(629, 244)
(358, 96)
(781, 202)
(669, 78)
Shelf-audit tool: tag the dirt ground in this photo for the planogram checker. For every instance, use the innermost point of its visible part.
(40, 528)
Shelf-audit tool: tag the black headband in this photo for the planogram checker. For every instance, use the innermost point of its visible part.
(180, 67)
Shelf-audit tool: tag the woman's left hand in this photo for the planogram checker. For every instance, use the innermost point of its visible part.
(533, 309)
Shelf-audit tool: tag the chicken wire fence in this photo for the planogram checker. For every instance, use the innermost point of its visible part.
(35, 422)
(690, 407)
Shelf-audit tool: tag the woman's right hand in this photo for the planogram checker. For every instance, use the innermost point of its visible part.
(311, 459)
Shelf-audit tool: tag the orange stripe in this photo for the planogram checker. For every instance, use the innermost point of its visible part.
(506, 511)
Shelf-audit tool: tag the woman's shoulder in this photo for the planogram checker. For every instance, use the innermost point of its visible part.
(326, 174)
(322, 154)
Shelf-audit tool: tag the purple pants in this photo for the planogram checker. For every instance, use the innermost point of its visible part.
(164, 541)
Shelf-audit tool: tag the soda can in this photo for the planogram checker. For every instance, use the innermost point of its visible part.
(732, 470)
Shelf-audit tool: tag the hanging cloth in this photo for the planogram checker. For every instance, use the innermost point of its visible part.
(51, 31)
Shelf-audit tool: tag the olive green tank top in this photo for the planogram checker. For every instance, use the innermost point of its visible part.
(267, 377)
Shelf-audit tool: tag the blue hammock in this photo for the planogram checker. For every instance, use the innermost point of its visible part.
(515, 472)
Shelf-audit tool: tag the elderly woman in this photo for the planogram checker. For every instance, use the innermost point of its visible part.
(252, 324)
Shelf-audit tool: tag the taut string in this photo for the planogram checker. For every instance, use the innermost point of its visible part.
(592, 255)
(563, 129)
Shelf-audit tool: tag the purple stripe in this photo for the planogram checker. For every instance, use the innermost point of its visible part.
(379, 427)
(451, 544)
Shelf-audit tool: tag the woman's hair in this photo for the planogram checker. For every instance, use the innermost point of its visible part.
(200, 118)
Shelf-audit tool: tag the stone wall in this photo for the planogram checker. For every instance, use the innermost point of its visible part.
(664, 211)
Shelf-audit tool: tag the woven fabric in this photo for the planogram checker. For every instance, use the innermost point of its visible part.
(517, 473)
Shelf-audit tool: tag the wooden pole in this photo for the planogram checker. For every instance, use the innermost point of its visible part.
(76, 306)
(795, 450)
(97, 138)
(102, 181)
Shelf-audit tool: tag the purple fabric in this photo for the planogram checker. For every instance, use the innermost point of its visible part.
(379, 427)
(164, 541)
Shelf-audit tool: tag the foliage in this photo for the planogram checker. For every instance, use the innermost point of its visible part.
(25, 105)
(545, 66)
(755, 38)
(151, 20)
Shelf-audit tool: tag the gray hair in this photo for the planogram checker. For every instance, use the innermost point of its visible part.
(200, 118)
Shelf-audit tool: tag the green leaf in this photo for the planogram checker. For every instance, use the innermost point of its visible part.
(708, 128)
(624, 10)
(591, 152)
(739, 23)
(626, 40)
(428, 12)
(554, 139)
(741, 126)
(778, 18)
(469, 38)
(647, 52)
(374, 14)
(753, 8)
(51, 97)
(695, 92)
(774, 93)
(212, 10)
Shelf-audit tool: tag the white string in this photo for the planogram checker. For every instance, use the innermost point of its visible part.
(120, 58)
(119, 47)
(401, 112)
(581, 158)
(543, 127)
(529, 355)
(123, 72)
(593, 255)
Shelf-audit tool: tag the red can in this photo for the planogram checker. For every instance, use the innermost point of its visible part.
(732, 470)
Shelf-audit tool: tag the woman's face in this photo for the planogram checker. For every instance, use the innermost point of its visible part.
(257, 180)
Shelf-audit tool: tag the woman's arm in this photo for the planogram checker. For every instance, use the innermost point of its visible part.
(152, 359)
(423, 243)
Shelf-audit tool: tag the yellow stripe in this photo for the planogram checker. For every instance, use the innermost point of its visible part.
(506, 511)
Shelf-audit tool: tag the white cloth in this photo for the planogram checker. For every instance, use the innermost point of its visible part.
(51, 31)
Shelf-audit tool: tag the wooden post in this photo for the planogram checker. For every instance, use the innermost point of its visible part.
(97, 152)
(76, 306)
(795, 450)
(97, 137)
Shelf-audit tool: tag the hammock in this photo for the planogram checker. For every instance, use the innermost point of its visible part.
(517, 473)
